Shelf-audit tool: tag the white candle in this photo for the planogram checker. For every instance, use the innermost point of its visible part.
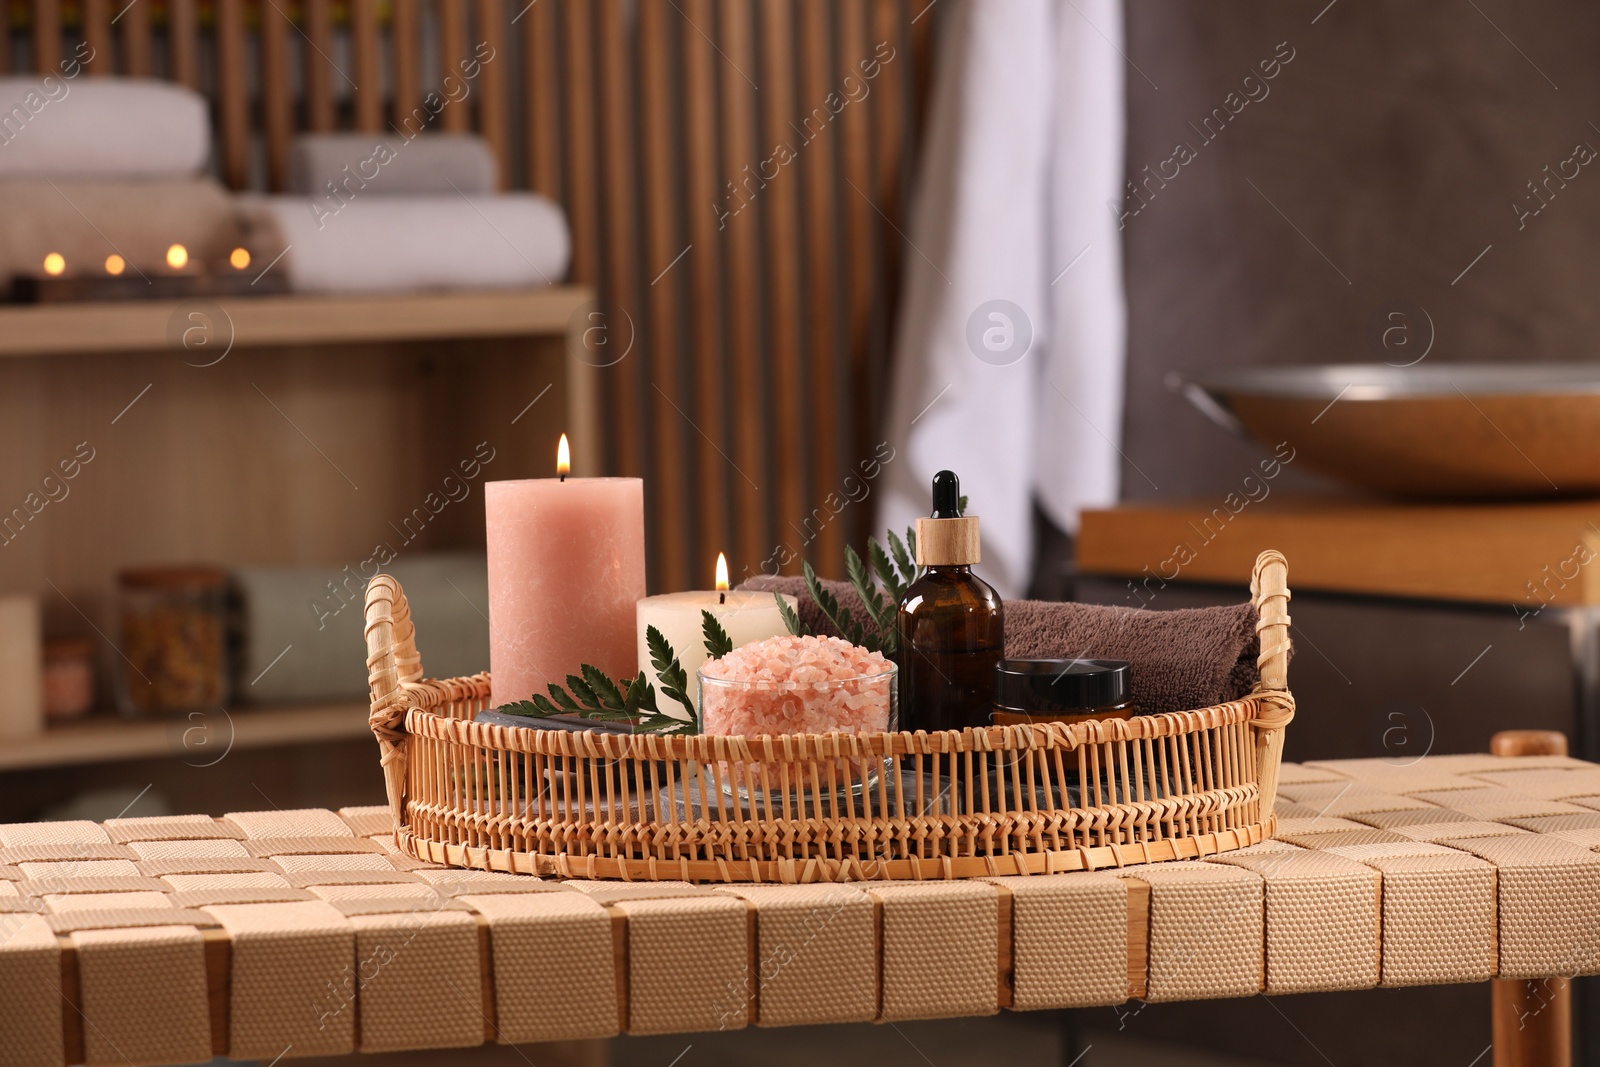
(746, 616)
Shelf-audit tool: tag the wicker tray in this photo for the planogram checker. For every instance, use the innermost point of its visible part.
(950, 804)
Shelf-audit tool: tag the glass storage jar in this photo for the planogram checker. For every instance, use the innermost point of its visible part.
(174, 640)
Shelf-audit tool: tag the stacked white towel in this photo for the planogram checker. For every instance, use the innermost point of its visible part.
(54, 126)
(378, 244)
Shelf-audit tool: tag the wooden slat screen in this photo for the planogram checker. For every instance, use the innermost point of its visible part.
(736, 174)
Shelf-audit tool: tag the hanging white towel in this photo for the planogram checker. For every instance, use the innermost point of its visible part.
(1011, 345)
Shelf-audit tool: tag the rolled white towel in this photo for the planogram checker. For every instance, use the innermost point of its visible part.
(310, 618)
(445, 163)
(54, 126)
(408, 243)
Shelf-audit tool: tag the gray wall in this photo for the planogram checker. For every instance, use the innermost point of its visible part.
(1396, 140)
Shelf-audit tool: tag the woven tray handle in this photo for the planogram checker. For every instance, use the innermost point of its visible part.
(392, 663)
(1269, 591)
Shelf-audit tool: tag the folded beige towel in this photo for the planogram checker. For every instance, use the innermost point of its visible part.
(1181, 660)
(86, 221)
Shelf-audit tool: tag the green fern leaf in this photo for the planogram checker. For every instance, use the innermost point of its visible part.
(790, 619)
(718, 643)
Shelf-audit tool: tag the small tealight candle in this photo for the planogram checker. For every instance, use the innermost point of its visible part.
(54, 264)
(177, 257)
(239, 258)
(746, 616)
(115, 264)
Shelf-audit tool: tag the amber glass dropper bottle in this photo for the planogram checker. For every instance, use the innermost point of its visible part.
(951, 630)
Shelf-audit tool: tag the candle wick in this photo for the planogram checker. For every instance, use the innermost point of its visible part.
(562, 477)
(722, 597)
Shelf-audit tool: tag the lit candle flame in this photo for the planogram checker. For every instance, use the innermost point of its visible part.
(54, 264)
(115, 264)
(177, 257)
(563, 458)
(722, 578)
(239, 258)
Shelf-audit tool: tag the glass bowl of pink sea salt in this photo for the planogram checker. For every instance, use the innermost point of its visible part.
(798, 685)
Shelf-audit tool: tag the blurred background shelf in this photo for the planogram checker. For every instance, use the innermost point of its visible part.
(198, 740)
(153, 325)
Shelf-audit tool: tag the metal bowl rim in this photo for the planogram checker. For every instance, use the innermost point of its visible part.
(1380, 382)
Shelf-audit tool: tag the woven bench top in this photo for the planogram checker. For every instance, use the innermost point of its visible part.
(166, 940)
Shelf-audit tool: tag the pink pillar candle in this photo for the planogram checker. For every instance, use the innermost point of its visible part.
(566, 567)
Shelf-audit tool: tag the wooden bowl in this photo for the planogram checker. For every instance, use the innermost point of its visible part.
(1442, 430)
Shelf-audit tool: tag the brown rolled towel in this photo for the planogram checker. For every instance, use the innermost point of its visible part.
(85, 221)
(1181, 660)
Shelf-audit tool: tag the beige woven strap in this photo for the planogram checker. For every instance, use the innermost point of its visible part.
(204, 848)
(1438, 918)
(940, 949)
(65, 903)
(66, 922)
(673, 991)
(408, 896)
(297, 863)
(1291, 773)
(163, 867)
(368, 821)
(1546, 824)
(1321, 919)
(86, 869)
(1394, 820)
(64, 852)
(1494, 803)
(393, 905)
(464, 883)
(74, 832)
(204, 898)
(240, 880)
(536, 997)
(419, 984)
(128, 884)
(169, 828)
(30, 977)
(302, 822)
(816, 954)
(1069, 939)
(1335, 838)
(145, 991)
(311, 846)
(293, 981)
(1443, 831)
(1549, 904)
(1206, 930)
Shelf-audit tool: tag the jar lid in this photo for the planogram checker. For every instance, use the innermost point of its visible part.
(192, 577)
(1039, 685)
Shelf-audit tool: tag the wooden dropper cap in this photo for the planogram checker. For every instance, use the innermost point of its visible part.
(947, 539)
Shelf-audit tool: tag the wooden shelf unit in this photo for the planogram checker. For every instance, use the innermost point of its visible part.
(146, 325)
(104, 739)
(256, 459)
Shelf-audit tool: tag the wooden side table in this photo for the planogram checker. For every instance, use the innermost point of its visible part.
(1535, 559)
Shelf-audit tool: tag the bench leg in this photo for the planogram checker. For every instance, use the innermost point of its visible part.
(1532, 1022)
(1532, 1017)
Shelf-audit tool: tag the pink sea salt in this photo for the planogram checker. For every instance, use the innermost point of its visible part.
(788, 684)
